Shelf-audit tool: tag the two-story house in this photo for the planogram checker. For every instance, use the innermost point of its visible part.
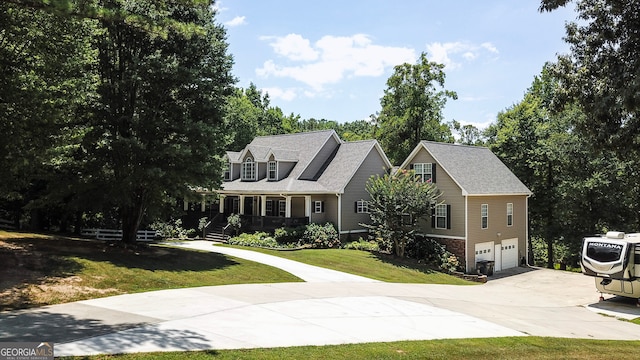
(296, 179)
(482, 211)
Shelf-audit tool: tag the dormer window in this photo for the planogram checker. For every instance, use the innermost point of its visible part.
(227, 171)
(272, 170)
(248, 170)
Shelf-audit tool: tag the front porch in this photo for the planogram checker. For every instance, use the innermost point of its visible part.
(270, 223)
(267, 212)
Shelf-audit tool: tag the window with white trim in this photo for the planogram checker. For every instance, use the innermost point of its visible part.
(441, 216)
(282, 208)
(227, 171)
(318, 207)
(423, 171)
(509, 214)
(272, 170)
(362, 207)
(269, 207)
(248, 169)
(484, 215)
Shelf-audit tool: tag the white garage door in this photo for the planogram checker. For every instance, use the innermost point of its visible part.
(484, 251)
(509, 253)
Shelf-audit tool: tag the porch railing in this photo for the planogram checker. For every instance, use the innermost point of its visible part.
(272, 222)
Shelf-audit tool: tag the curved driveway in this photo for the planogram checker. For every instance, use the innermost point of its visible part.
(331, 308)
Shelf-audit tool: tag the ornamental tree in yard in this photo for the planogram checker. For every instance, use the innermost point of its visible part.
(397, 203)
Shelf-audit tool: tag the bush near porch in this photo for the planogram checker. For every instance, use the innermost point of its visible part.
(313, 236)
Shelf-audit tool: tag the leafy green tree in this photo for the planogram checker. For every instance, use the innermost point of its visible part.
(397, 203)
(357, 130)
(242, 120)
(467, 134)
(600, 73)
(578, 188)
(44, 88)
(412, 108)
(156, 130)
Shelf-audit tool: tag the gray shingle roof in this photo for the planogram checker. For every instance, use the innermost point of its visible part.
(305, 147)
(477, 170)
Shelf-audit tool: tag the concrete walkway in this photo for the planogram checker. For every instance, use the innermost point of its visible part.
(536, 302)
(308, 273)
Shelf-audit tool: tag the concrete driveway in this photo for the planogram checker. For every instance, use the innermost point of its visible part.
(326, 311)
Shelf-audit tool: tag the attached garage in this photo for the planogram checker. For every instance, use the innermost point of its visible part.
(509, 253)
(484, 251)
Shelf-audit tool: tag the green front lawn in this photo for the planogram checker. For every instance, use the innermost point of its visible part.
(379, 267)
(524, 348)
(38, 270)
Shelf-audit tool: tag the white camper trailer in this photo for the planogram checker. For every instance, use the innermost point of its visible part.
(614, 261)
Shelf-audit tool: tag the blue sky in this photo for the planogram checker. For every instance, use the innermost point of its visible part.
(331, 59)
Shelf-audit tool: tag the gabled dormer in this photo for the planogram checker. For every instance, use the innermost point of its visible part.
(248, 168)
(231, 166)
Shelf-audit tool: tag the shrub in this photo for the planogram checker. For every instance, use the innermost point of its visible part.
(362, 244)
(426, 249)
(235, 222)
(321, 236)
(259, 239)
(169, 230)
(449, 262)
(289, 235)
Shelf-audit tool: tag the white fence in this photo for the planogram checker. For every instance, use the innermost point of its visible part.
(107, 234)
(7, 224)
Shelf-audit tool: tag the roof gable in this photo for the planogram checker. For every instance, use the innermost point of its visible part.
(332, 177)
(476, 170)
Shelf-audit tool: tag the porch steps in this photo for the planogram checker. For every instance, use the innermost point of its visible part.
(215, 233)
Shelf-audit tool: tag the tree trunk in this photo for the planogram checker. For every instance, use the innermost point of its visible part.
(131, 218)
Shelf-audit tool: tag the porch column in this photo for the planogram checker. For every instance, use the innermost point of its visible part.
(287, 212)
(241, 209)
(307, 207)
(222, 197)
(263, 205)
(203, 204)
(186, 205)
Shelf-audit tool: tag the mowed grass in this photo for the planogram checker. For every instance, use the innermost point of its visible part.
(492, 348)
(379, 267)
(37, 270)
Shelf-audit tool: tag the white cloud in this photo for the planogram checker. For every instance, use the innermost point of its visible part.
(490, 47)
(331, 59)
(448, 53)
(236, 21)
(293, 47)
(279, 93)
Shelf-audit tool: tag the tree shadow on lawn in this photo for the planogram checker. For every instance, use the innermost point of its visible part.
(55, 256)
(36, 261)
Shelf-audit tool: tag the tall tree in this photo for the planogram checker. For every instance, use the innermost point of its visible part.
(578, 188)
(467, 134)
(44, 85)
(156, 130)
(397, 204)
(412, 108)
(601, 71)
(601, 74)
